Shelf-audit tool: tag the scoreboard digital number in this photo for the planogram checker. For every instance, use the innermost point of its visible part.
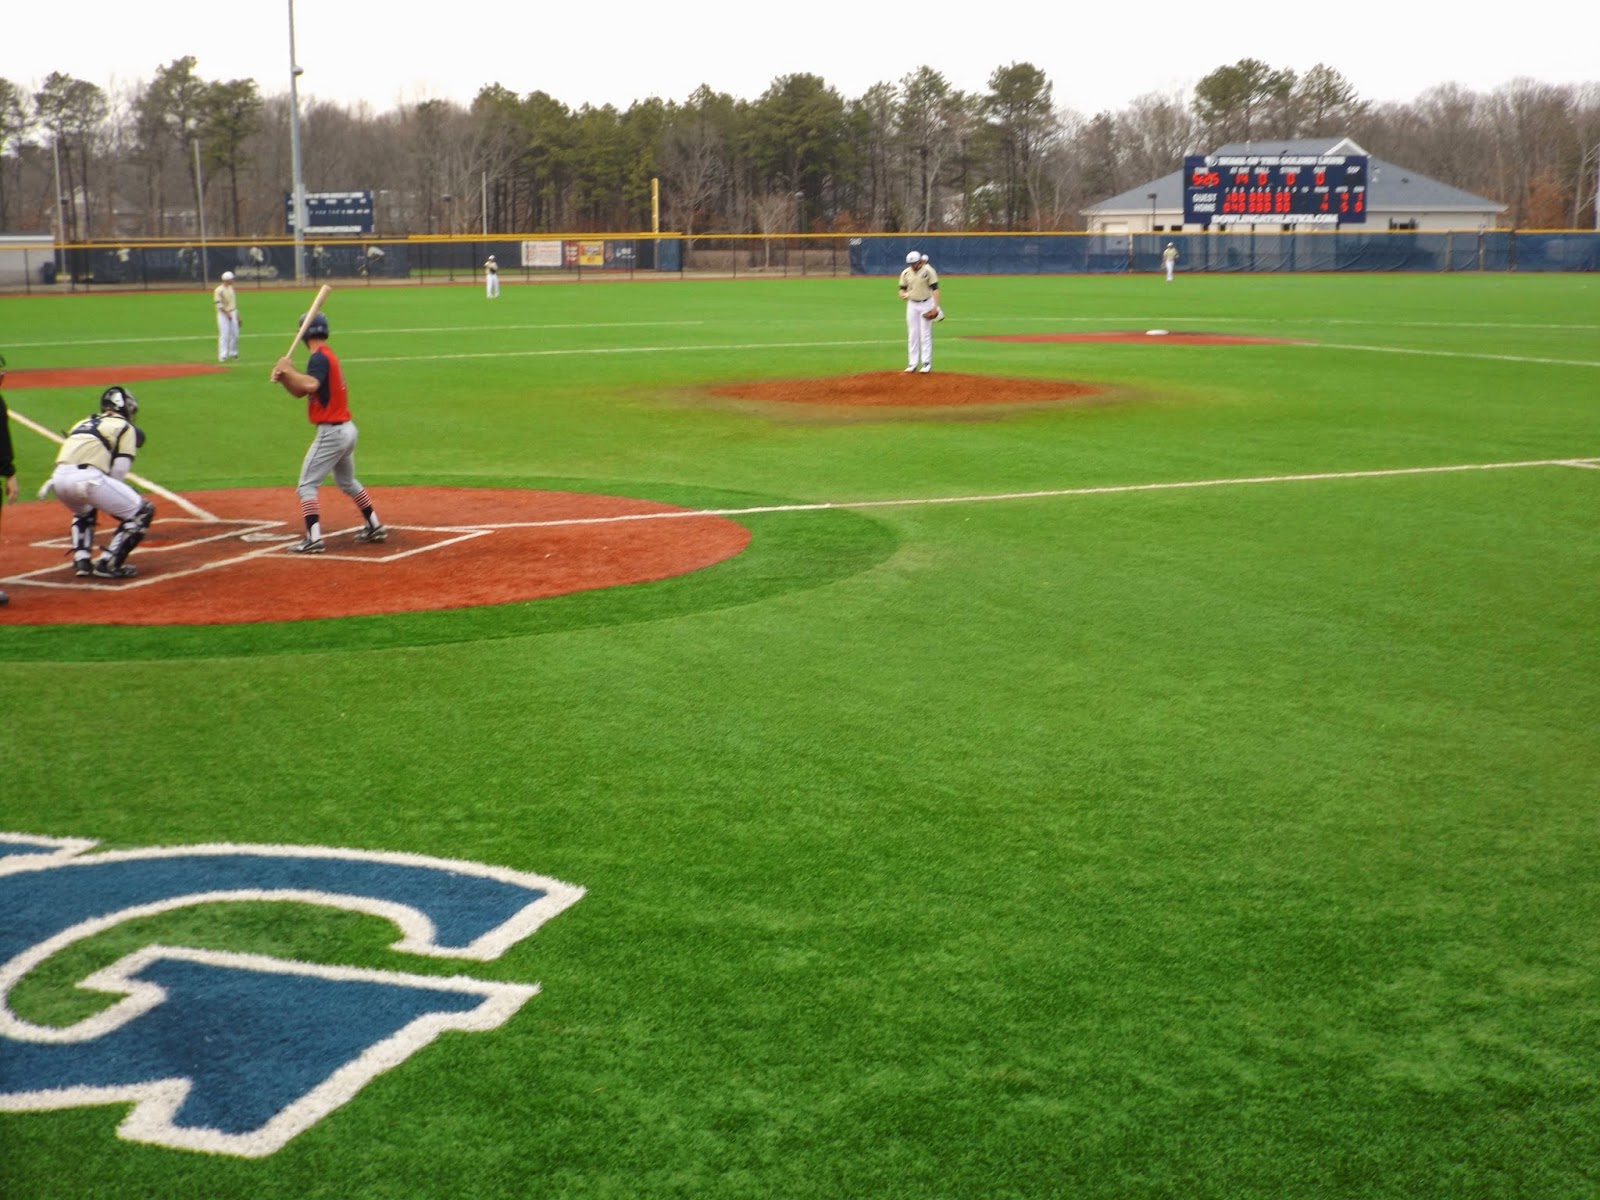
(1271, 189)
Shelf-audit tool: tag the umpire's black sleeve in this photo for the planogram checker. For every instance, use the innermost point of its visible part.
(8, 468)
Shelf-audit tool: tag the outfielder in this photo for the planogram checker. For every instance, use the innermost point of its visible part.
(227, 306)
(919, 288)
(89, 474)
(333, 449)
(1169, 259)
(491, 277)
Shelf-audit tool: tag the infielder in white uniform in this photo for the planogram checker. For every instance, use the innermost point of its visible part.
(491, 277)
(90, 469)
(227, 318)
(919, 288)
(1169, 259)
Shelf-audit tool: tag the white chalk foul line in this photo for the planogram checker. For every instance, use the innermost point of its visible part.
(207, 339)
(1511, 358)
(1044, 494)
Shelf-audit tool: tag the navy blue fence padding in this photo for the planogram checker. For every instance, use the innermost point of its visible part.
(1557, 252)
(1234, 251)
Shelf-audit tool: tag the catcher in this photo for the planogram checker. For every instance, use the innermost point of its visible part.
(919, 288)
(90, 470)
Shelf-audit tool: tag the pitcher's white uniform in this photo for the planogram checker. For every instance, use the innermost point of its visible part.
(227, 318)
(919, 287)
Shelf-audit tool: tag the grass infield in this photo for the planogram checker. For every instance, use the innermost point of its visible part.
(1217, 842)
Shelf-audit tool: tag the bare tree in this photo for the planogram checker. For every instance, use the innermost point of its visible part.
(1153, 134)
(774, 212)
(16, 119)
(693, 162)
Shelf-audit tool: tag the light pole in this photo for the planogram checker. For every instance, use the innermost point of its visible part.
(200, 211)
(1151, 196)
(294, 150)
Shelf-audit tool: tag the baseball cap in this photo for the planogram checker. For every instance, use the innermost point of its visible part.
(226, 275)
(913, 257)
(923, 257)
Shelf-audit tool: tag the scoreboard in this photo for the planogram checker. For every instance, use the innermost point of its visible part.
(332, 212)
(1273, 189)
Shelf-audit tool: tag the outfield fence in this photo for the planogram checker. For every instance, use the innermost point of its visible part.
(31, 265)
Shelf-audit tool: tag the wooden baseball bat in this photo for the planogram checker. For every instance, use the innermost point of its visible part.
(322, 294)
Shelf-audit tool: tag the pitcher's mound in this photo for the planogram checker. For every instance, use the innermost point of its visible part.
(892, 389)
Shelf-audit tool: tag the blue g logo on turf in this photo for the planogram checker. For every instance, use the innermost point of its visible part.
(238, 1053)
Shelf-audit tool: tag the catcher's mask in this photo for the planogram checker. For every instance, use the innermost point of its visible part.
(119, 400)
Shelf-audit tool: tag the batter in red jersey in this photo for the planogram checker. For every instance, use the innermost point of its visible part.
(333, 449)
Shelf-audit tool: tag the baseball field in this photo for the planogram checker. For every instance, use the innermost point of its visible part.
(1184, 785)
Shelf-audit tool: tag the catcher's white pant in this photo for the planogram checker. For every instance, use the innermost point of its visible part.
(227, 335)
(85, 488)
(919, 332)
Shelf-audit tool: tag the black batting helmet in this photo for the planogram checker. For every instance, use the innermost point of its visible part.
(119, 400)
(317, 327)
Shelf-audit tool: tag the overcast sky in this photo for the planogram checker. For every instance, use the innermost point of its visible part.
(1096, 56)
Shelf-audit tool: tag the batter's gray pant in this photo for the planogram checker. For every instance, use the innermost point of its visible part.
(333, 451)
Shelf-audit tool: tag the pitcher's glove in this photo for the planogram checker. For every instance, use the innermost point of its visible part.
(931, 314)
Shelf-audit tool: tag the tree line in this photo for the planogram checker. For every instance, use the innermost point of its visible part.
(911, 155)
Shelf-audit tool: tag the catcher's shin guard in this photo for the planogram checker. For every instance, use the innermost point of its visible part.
(83, 535)
(129, 534)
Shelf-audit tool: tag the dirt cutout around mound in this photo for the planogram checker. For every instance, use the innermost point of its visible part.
(447, 548)
(101, 377)
(1153, 337)
(908, 389)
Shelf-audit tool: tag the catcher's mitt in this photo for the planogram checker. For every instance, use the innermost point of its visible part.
(930, 314)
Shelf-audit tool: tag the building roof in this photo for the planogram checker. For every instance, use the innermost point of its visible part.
(1390, 188)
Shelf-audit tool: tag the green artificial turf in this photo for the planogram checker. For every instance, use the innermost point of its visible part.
(1232, 841)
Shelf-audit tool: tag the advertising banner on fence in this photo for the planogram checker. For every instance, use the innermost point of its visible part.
(541, 254)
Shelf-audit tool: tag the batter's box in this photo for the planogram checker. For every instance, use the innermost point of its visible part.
(166, 535)
(165, 538)
(434, 537)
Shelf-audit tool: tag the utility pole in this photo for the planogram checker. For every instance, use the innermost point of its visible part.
(294, 150)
